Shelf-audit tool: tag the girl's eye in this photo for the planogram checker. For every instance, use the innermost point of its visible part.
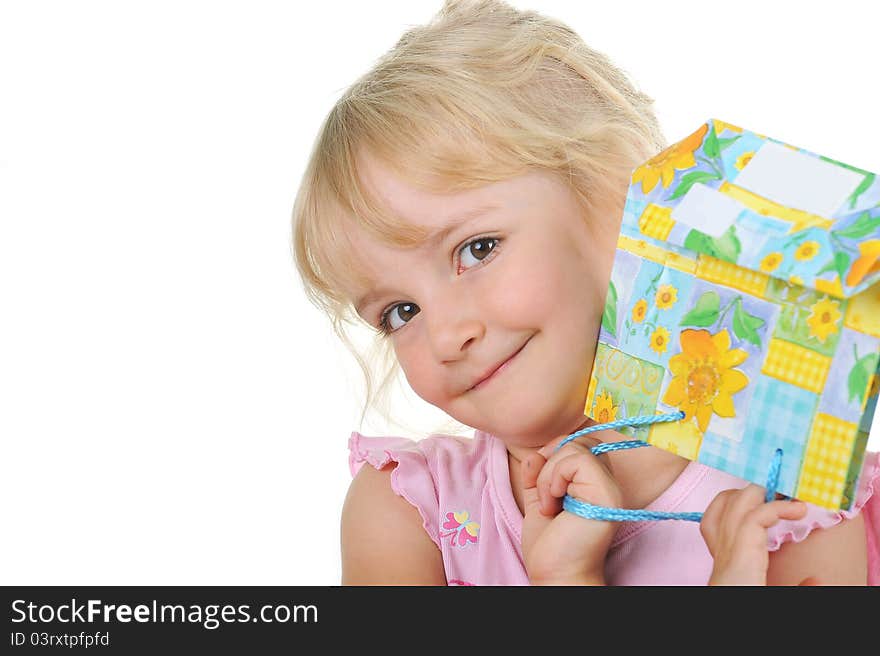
(479, 249)
(402, 311)
(395, 316)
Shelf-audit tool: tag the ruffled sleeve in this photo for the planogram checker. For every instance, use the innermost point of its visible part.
(867, 502)
(411, 479)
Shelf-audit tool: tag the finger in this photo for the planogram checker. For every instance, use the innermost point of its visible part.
(536, 476)
(550, 505)
(534, 523)
(578, 468)
(531, 467)
(742, 502)
(770, 513)
(548, 456)
(583, 445)
(531, 502)
(810, 580)
(563, 473)
(580, 446)
(550, 448)
(747, 498)
(714, 514)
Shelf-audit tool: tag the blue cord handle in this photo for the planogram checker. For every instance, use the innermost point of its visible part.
(590, 511)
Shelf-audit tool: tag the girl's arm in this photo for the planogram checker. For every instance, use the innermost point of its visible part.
(735, 525)
(383, 541)
(830, 556)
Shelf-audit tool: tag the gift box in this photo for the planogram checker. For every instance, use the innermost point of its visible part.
(745, 292)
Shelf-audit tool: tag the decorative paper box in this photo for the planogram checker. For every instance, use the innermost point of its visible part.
(745, 291)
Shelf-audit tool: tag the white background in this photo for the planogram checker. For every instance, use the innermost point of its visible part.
(172, 410)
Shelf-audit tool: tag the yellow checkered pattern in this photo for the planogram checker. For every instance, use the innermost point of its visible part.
(656, 254)
(643, 249)
(826, 461)
(682, 263)
(656, 222)
(724, 273)
(797, 365)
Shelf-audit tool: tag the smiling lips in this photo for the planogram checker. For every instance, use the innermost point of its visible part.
(497, 369)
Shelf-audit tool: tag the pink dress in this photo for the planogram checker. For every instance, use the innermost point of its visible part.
(461, 488)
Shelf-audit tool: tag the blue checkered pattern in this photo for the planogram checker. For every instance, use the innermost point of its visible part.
(720, 452)
(779, 417)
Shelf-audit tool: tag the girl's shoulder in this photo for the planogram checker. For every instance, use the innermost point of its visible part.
(866, 503)
(436, 449)
(427, 469)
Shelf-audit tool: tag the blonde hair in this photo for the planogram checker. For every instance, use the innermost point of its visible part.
(481, 93)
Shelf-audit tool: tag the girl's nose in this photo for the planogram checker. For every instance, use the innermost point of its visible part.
(453, 330)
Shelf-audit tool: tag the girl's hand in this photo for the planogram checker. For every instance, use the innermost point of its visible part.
(734, 527)
(560, 547)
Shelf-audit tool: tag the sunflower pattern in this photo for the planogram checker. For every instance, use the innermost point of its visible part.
(704, 378)
(659, 340)
(824, 318)
(679, 156)
(666, 297)
(806, 251)
(744, 159)
(779, 238)
(605, 411)
(771, 262)
(639, 310)
(764, 331)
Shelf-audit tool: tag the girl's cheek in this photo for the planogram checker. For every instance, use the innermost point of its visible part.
(416, 361)
(526, 292)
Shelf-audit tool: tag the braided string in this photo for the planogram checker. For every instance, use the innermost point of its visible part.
(773, 476)
(590, 511)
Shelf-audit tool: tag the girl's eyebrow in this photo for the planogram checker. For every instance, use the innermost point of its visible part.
(435, 238)
(368, 298)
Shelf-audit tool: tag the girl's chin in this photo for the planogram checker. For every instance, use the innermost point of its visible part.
(533, 434)
(528, 419)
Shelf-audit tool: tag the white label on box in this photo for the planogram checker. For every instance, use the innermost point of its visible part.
(707, 210)
(797, 180)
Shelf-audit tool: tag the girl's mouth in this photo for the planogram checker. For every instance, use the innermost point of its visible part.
(485, 381)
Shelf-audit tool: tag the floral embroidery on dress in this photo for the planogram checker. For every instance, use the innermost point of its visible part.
(460, 528)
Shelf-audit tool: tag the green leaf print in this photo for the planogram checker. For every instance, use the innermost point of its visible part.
(860, 377)
(705, 312)
(862, 188)
(609, 314)
(710, 145)
(689, 180)
(724, 143)
(848, 167)
(745, 325)
(727, 247)
(863, 227)
(839, 263)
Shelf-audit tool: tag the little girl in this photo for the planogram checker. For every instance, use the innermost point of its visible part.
(464, 199)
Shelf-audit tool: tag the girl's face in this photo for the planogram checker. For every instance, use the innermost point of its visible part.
(521, 282)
